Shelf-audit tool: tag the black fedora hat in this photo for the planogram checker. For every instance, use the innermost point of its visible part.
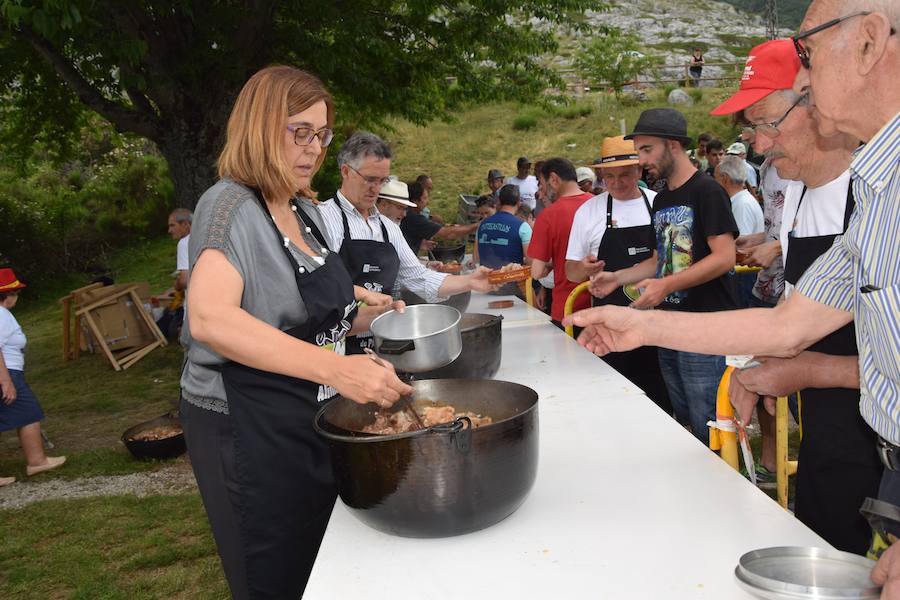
(661, 122)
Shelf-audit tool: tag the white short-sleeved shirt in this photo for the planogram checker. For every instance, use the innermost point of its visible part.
(590, 222)
(747, 213)
(182, 263)
(527, 189)
(12, 341)
(821, 213)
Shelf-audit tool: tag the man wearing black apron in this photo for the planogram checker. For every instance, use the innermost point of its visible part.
(838, 464)
(622, 244)
(372, 247)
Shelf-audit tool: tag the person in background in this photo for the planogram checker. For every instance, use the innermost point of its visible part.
(503, 237)
(599, 184)
(19, 407)
(486, 206)
(696, 66)
(494, 181)
(586, 179)
(428, 185)
(731, 175)
(170, 321)
(610, 231)
(393, 200)
(748, 215)
(416, 228)
(528, 184)
(715, 152)
(550, 238)
(693, 234)
(752, 182)
(699, 153)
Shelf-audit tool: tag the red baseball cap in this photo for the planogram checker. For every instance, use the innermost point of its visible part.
(771, 66)
(9, 282)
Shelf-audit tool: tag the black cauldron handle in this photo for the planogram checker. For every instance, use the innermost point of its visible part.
(460, 431)
(394, 347)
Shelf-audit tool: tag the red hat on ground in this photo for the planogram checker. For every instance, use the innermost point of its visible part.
(9, 282)
(771, 66)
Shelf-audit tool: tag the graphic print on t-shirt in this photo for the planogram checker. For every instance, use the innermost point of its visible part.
(674, 243)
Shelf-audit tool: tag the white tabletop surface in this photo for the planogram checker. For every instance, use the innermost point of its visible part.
(519, 313)
(626, 504)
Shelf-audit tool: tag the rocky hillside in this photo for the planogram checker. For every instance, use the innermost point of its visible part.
(790, 12)
(671, 28)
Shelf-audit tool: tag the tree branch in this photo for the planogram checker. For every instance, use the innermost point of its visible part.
(125, 119)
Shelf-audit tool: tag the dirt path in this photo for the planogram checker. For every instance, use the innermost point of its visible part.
(177, 479)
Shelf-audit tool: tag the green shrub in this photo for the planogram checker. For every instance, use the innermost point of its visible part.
(59, 220)
(668, 89)
(525, 121)
(696, 94)
(574, 111)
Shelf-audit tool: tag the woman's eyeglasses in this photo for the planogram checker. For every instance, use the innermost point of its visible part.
(304, 136)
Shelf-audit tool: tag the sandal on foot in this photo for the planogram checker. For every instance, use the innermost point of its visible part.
(7, 480)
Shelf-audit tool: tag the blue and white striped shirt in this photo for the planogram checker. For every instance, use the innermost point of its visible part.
(867, 257)
(412, 276)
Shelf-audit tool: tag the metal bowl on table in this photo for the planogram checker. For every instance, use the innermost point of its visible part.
(442, 481)
(789, 572)
(421, 338)
(482, 343)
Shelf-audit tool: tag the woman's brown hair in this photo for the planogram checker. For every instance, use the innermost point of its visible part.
(254, 142)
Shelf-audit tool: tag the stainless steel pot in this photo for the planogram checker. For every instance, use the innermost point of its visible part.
(422, 338)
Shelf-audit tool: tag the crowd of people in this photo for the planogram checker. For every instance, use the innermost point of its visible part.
(283, 285)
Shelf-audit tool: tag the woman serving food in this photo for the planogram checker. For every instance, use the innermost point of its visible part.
(269, 308)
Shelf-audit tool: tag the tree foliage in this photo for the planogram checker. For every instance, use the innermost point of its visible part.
(613, 59)
(169, 70)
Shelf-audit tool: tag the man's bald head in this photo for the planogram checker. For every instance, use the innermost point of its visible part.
(852, 64)
(825, 10)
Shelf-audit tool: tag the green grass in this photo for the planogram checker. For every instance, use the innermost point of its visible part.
(111, 548)
(458, 155)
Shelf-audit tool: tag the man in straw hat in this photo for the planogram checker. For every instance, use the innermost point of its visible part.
(393, 200)
(693, 234)
(610, 231)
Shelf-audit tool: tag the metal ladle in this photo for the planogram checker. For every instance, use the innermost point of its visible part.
(405, 400)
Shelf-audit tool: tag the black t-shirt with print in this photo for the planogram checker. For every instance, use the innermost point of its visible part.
(683, 219)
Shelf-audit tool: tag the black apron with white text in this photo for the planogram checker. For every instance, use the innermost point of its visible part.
(372, 265)
(621, 248)
(838, 466)
(286, 489)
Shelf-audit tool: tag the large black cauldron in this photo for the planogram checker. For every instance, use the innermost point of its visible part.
(481, 349)
(443, 481)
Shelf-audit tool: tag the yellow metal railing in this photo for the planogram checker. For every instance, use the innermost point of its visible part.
(570, 303)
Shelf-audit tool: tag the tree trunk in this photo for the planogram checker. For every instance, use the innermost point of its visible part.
(192, 163)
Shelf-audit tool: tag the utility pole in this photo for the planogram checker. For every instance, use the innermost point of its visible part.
(771, 19)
